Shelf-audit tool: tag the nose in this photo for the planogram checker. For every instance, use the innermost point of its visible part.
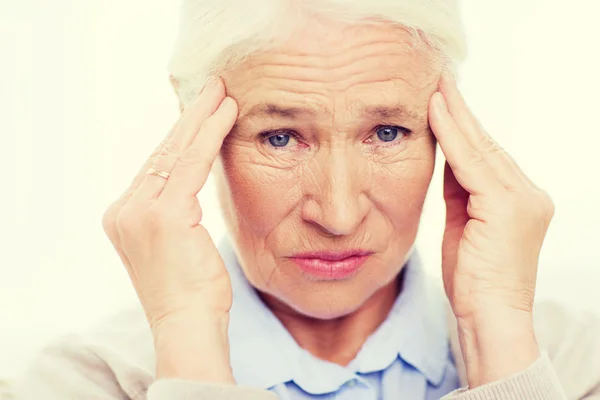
(336, 189)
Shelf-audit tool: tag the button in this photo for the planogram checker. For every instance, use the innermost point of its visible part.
(351, 383)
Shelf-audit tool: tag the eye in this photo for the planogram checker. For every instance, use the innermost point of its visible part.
(388, 133)
(279, 140)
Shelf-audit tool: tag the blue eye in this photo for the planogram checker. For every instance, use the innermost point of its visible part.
(387, 133)
(280, 140)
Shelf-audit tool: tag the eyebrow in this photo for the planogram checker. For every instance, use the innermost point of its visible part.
(387, 112)
(382, 112)
(272, 110)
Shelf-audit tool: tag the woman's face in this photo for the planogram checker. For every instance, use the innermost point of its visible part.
(331, 152)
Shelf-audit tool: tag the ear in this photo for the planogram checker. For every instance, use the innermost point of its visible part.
(175, 85)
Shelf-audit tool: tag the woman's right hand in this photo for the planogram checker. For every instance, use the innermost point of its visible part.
(155, 226)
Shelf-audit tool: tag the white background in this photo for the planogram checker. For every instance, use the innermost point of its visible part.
(84, 98)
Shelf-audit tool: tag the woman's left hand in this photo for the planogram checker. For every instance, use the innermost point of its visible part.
(496, 220)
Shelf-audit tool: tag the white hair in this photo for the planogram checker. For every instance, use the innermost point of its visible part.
(215, 35)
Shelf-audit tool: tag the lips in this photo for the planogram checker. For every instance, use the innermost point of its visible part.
(331, 265)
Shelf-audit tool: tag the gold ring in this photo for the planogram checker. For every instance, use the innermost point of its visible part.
(156, 172)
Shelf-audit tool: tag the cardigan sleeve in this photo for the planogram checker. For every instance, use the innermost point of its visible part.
(569, 368)
(538, 382)
(70, 371)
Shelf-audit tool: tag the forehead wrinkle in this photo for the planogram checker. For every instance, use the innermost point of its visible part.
(278, 111)
(284, 103)
(359, 71)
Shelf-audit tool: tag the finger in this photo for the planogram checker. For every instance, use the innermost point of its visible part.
(110, 216)
(148, 164)
(109, 223)
(470, 168)
(458, 108)
(508, 170)
(205, 105)
(192, 169)
(457, 216)
(109, 219)
(137, 180)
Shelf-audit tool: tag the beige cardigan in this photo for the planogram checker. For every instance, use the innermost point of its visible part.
(116, 361)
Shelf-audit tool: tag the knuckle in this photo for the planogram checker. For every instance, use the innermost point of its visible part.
(159, 148)
(165, 141)
(474, 159)
(489, 145)
(536, 203)
(192, 156)
(127, 220)
(170, 148)
(163, 162)
(109, 220)
(526, 207)
(547, 207)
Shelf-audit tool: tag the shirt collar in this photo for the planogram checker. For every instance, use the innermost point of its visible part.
(264, 354)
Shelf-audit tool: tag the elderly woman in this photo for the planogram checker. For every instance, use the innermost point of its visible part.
(320, 120)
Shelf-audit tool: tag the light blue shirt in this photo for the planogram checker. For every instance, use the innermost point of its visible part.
(407, 357)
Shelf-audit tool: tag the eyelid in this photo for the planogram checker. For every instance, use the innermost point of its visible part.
(401, 128)
(274, 132)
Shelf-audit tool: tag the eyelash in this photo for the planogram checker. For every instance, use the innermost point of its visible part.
(268, 134)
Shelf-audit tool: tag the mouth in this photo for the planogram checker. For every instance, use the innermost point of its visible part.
(331, 265)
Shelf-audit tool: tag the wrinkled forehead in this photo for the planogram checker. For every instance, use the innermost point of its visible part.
(325, 68)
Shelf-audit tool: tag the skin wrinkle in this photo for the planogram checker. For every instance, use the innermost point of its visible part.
(335, 187)
(365, 51)
(357, 49)
(341, 84)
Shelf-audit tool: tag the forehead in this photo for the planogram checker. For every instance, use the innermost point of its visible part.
(330, 66)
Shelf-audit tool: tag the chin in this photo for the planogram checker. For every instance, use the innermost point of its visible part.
(326, 302)
(327, 312)
(324, 299)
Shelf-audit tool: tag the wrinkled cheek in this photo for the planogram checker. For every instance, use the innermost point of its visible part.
(258, 197)
(400, 190)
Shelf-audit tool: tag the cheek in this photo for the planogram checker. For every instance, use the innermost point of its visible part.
(260, 196)
(399, 189)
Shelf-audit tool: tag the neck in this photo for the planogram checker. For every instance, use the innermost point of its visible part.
(340, 339)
